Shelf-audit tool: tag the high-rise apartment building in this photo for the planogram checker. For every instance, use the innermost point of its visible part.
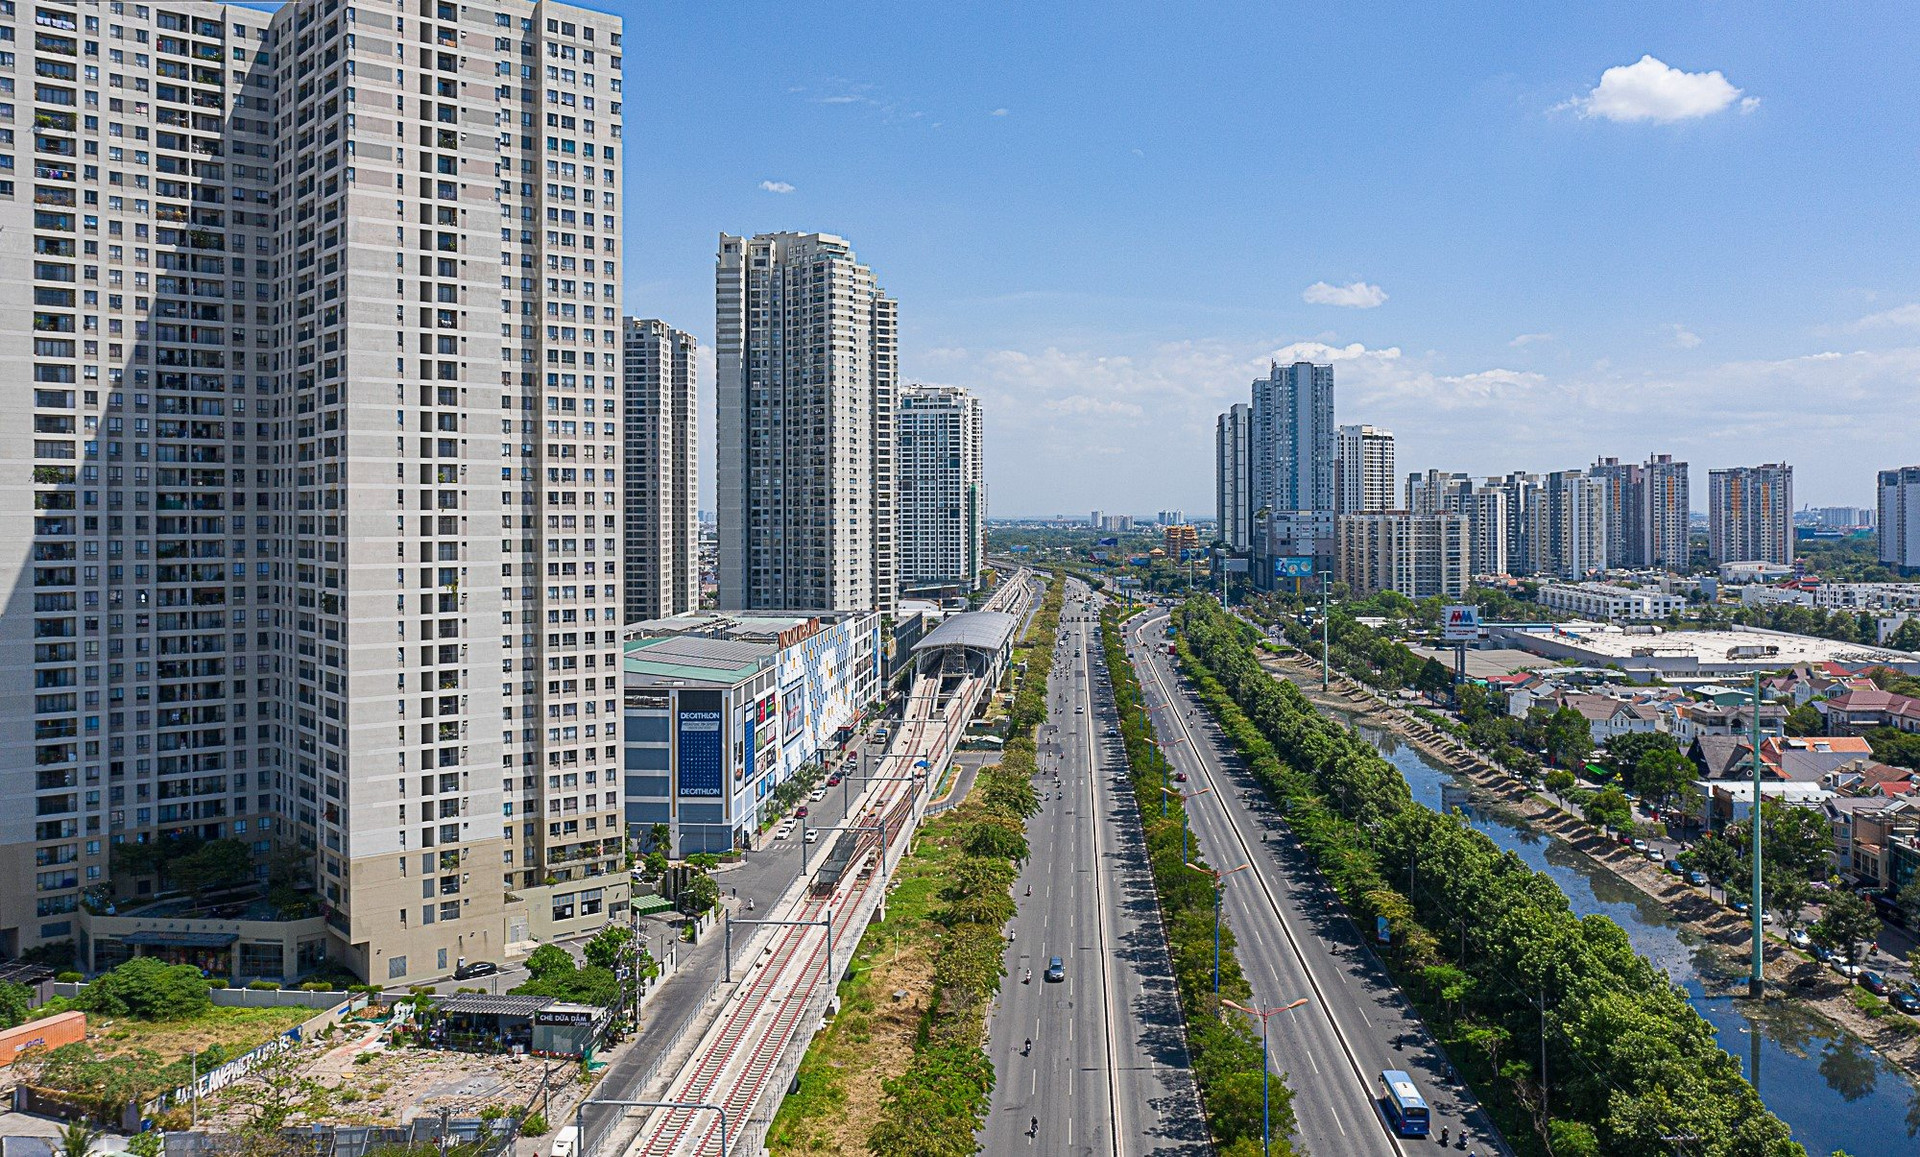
(1434, 492)
(1418, 555)
(942, 487)
(662, 483)
(1567, 525)
(320, 489)
(807, 349)
(1522, 495)
(1363, 469)
(1750, 514)
(1486, 511)
(1233, 475)
(1625, 487)
(1899, 516)
(1667, 524)
(1292, 441)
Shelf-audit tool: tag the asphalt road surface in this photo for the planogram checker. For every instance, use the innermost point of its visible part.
(1295, 941)
(1106, 1072)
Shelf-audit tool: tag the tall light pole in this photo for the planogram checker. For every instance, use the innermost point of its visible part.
(1219, 891)
(1324, 626)
(1266, 1112)
(1756, 982)
(1183, 813)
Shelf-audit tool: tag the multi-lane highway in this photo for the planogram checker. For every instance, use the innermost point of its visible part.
(1295, 942)
(1106, 1068)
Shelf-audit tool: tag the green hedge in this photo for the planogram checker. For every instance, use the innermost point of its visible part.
(1225, 1051)
(937, 1106)
(1486, 938)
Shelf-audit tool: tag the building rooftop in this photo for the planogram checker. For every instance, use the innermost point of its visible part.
(698, 658)
(1776, 648)
(985, 630)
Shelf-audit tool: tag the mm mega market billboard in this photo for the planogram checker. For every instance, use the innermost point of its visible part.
(1459, 624)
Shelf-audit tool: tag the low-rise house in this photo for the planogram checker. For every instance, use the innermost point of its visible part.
(1693, 720)
(1861, 709)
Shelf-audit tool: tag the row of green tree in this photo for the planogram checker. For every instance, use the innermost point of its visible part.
(937, 1106)
(1591, 1042)
(552, 972)
(1224, 1050)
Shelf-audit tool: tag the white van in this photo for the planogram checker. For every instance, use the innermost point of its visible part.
(566, 1143)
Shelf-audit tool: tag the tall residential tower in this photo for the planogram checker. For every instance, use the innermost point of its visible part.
(943, 489)
(1750, 514)
(1232, 475)
(323, 344)
(661, 436)
(806, 346)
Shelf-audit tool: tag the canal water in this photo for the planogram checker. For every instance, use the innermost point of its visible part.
(1834, 1091)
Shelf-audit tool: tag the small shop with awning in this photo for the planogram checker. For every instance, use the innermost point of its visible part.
(476, 1022)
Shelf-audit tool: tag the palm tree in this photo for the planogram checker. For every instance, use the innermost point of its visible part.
(77, 1139)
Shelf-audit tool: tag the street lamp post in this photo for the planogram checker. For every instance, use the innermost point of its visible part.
(1183, 814)
(1219, 891)
(1266, 1110)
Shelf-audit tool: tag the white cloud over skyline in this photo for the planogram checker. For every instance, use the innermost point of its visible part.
(776, 186)
(1353, 295)
(1059, 419)
(1652, 90)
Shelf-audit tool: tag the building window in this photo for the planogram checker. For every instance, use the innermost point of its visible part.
(563, 907)
(396, 967)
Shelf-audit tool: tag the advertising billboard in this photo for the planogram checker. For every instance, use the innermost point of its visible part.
(1236, 566)
(1294, 567)
(1459, 624)
(698, 742)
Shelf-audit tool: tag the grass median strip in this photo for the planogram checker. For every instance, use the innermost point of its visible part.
(1224, 1050)
(903, 1068)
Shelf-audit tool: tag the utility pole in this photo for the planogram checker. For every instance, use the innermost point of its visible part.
(1756, 983)
(1324, 625)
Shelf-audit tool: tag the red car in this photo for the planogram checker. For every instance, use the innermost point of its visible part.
(1180, 777)
(833, 781)
(800, 812)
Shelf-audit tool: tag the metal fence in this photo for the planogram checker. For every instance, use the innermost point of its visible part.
(478, 1139)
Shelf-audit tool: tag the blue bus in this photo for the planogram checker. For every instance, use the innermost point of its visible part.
(1406, 1108)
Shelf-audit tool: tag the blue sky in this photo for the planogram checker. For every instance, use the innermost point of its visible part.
(1105, 219)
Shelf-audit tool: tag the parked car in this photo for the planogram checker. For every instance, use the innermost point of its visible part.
(1741, 906)
(1799, 938)
(1875, 983)
(1906, 1002)
(1639, 845)
(1822, 953)
(1677, 868)
(1849, 970)
(476, 968)
(1656, 855)
(1697, 878)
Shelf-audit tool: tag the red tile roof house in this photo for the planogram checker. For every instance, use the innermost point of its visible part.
(1864, 709)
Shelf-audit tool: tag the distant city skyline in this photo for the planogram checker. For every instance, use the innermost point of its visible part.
(1511, 268)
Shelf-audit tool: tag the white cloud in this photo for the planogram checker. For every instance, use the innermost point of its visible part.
(1354, 295)
(1081, 405)
(1520, 341)
(1900, 315)
(776, 186)
(999, 112)
(1683, 337)
(1652, 90)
